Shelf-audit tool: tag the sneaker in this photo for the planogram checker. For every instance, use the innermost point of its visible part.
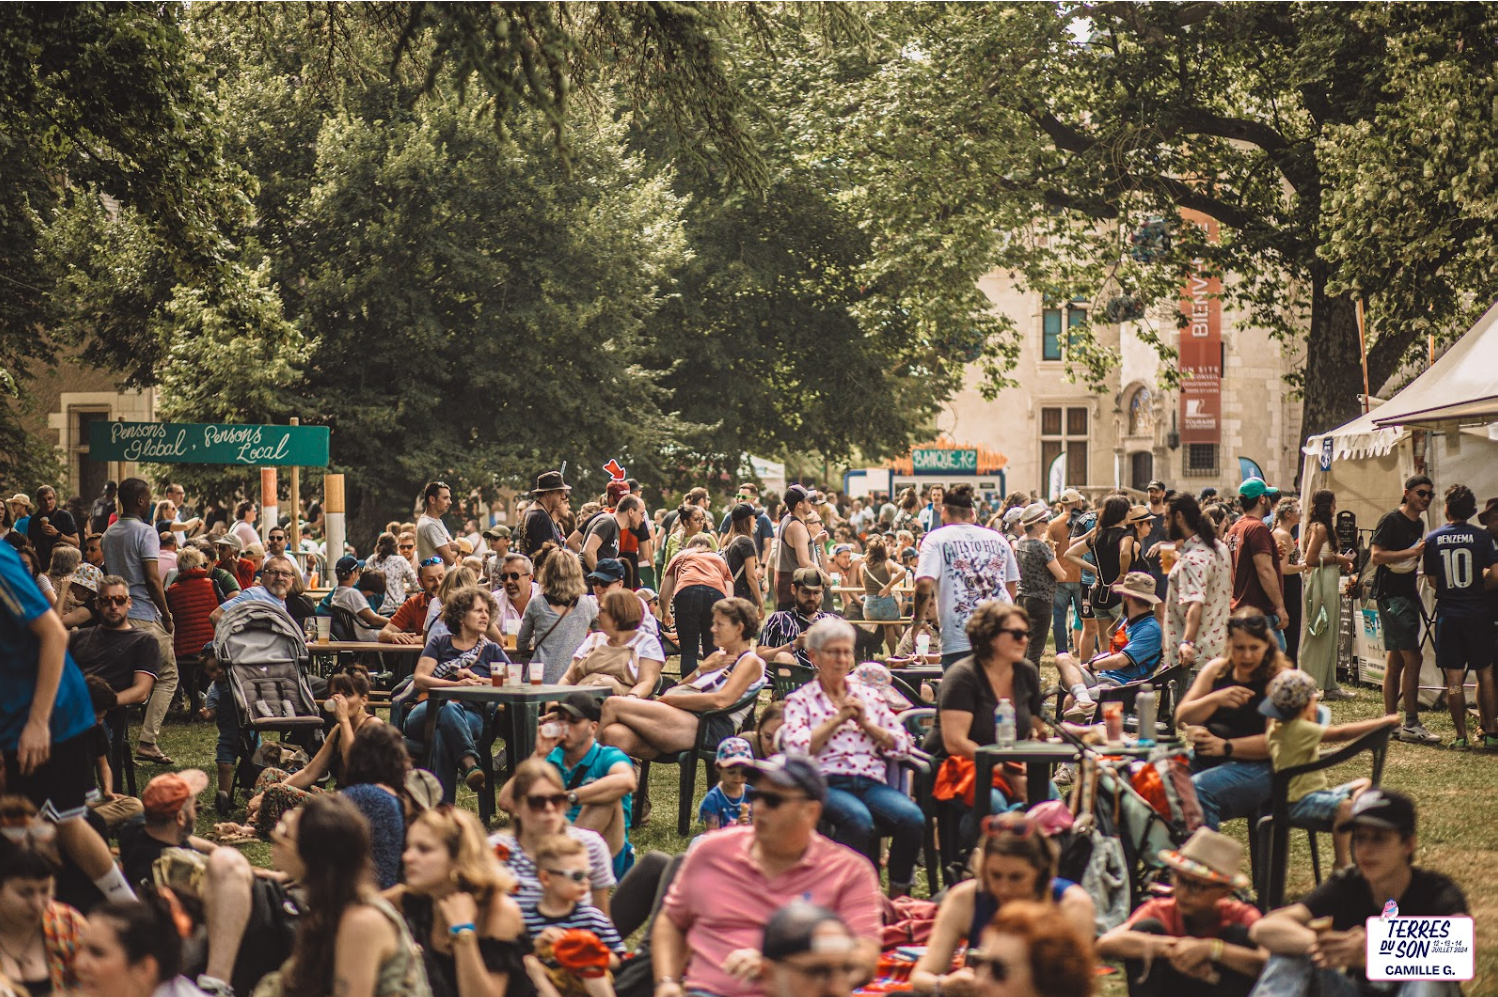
(223, 803)
(214, 987)
(1078, 713)
(1489, 743)
(1416, 733)
(1338, 695)
(474, 778)
(1460, 744)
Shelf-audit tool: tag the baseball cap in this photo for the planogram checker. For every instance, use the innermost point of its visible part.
(1013, 515)
(807, 578)
(1156, 485)
(1288, 694)
(229, 540)
(1071, 496)
(791, 772)
(741, 512)
(167, 793)
(735, 751)
(347, 566)
(497, 533)
(423, 789)
(1253, 488)
(1385, 808)
(580, 706)
(795, 494)
(607, 571)
(800, 927)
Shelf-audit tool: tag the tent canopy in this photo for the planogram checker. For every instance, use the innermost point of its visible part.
(1357, 439)
(1462, 386)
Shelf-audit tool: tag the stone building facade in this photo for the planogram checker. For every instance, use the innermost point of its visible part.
(1131, 430)
(67, 398)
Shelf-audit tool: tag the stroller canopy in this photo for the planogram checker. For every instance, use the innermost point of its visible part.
(254, 632)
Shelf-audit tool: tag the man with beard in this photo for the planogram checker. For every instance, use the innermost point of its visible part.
(408, 625)
(275, 584)
(782, 640)
(1200, 586)
(516, 576)
(551, 500)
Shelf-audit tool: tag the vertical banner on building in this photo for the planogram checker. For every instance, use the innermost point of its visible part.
(1056, 477)
(1201, 346)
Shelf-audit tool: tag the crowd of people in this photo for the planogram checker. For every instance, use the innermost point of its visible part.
(810, 831)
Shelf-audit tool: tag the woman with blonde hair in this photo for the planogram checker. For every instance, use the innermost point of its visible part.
(456, 902)
(554, 626)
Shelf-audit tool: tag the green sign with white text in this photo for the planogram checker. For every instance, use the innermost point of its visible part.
(204, 443)
(939, 461)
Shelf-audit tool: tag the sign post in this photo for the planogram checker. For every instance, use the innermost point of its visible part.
(332, 510)
(294, 534)
(270, 513)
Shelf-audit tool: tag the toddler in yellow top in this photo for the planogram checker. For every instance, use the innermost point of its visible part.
(1297, 728)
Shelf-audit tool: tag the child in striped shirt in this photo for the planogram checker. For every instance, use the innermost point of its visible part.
(577, 943)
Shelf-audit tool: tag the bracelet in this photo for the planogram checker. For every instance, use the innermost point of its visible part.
(459, 929)
(1217, 949)
(668, 979)
(1189, 643)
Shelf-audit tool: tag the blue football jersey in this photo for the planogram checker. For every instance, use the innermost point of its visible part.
(1456, 555)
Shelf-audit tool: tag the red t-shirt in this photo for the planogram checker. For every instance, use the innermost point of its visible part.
(1247, 537)
(411, 617)
(1164, 910)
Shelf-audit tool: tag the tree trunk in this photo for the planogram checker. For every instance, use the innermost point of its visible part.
(1334, 363)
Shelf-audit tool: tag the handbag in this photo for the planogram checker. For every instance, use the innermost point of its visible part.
(958, 777)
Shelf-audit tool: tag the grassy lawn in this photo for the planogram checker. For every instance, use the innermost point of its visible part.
(1454, 791)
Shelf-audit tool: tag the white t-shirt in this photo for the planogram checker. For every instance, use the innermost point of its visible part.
(647, 647)
(970, 564)
(431, 533)
(353, 600)
(245, 534)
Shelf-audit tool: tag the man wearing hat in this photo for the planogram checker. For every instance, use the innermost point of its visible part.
(366, 622)
(961, 565)
(551, 499)
(600, 780)
(808, 952)
(1039, 572)
(1258, 581)
(1059, 534)
(608, 576)
(1308, 958)
(226, 568)
(793, 549)
(20, 512)
(708, 936)
(1138, 658)
(783, 637)
(246, 915)
(1195, 942)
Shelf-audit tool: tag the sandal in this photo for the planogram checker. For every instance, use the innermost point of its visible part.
(155, 755)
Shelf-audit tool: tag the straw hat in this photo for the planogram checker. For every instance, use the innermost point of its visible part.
(1034, 513)
(1138, 514)
(1210, 856)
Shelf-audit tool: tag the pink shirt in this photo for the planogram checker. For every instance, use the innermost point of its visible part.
(721, 900)
(850, 750)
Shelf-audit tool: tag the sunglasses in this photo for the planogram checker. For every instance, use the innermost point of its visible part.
(1190, 884)
(995, 968)
(543, 801)
(1015, 632)
(826, 975)
(771, 799)
(431, 561)
(1425, 493)
(510, 576)
(114, 600)
(407, 546)
(1258, 621)
(578, 876)
(1013, 825)
(276, 536)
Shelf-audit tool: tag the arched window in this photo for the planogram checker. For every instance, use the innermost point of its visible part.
(1142, 413)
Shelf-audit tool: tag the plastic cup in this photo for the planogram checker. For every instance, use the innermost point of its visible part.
(538, 672)
(1113, 721)
(514, 673)
(324, 628)
(1167, 557)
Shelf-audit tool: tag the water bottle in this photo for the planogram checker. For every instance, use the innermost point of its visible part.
(1145, 705)
(1003, 724)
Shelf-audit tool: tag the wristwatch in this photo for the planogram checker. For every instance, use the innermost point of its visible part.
(572, 797)
(1227, 747)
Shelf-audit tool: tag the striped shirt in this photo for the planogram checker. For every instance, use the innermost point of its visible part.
(584, 916)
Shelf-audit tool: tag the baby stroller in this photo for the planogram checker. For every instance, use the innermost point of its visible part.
(260, 648)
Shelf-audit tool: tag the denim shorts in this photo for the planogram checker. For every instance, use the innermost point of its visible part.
(880, 607)
(1320, 806)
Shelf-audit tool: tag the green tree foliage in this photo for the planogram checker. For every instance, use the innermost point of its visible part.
(1041, 137)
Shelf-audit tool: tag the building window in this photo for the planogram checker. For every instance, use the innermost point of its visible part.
(1141, 470)
(1065, 429)
(1053, 344)
(1201, 459)
(1142, 413)
(88, 475)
